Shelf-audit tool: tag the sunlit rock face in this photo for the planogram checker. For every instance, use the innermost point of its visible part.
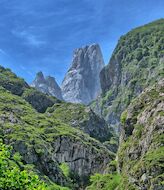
(81, 83)
(47, 85)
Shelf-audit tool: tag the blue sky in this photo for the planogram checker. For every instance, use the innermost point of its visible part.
(40, 35)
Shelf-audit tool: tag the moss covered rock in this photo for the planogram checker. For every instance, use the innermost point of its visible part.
(11, 82)
(141, 142)
(136, 63)
(38, 100)
(83, 118)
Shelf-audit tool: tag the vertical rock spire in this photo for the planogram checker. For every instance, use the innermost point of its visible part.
(81, 83)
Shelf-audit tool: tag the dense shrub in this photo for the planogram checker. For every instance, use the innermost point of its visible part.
(13, 177)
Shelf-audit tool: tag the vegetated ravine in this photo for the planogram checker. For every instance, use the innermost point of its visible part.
(116, 142)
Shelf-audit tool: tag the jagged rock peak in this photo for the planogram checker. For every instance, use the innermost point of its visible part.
(51, 81)
(39, 78)
(47, 85)
(81, 83)
(40, 75)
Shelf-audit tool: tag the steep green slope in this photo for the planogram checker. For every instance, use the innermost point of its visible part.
(46, 140)
(141, 152)
(18, 86)
(22, 127)
(81, 117)
(11, 82)
(136, 63)
(42, 141)
(76, 115)
(141, 149)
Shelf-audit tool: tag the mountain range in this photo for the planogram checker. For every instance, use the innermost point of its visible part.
(81, 83)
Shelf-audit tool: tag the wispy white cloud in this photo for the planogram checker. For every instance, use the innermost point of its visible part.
(29, 38)
(22, 67)
(30, 73)
(3, 52)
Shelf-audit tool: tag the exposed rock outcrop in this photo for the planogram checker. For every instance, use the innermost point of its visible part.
(47, 85)
(83, 159)
(39, 100)
(81, 83)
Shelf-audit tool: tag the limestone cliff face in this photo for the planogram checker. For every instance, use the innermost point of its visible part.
(81, 83)
(136, 63)
(83, 159)
(47, 85)
(141, 145)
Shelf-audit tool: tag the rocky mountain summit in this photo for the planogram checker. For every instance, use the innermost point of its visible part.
(47, 85)
(81, 83)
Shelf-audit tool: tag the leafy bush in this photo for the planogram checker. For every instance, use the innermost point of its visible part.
(14, 178)
(123, 117)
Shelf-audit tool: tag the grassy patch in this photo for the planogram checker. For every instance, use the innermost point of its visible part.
(65, 169)
(104, 182)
